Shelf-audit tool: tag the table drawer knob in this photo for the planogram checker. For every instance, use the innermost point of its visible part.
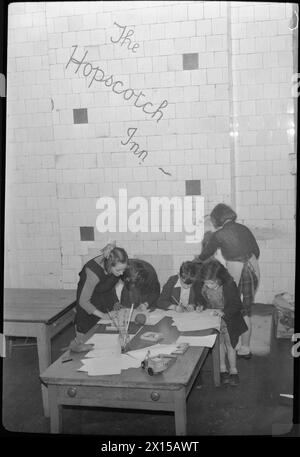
(155, 396)
(72, 391)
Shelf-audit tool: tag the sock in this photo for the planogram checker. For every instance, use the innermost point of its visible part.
(223, 369)
(233, 371)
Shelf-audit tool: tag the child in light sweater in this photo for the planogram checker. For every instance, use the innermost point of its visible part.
(217, 290)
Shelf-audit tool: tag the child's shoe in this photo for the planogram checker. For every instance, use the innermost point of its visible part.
(234, 379)
(224, 377)
(244, 353)
(244, 356)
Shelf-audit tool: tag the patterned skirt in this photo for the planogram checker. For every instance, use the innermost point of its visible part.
(246, 275)
(248, 286)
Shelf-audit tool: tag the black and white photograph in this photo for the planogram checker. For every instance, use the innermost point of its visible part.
(149, 208)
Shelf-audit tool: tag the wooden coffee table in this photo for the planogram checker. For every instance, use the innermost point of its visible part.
(133, 388)
(38, 313)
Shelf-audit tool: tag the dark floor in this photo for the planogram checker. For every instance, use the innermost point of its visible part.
(253, 408)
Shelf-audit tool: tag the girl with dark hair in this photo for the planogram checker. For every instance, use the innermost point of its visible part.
(241, 253)
(179, 293)
(141, 283)
(217, 290)
(96, 287)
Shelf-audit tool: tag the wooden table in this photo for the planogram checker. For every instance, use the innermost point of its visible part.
(39, 313)
(133, 388)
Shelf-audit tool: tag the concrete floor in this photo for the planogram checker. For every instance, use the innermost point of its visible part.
(253, 408)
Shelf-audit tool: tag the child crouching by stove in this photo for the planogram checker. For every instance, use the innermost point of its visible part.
(217, 290)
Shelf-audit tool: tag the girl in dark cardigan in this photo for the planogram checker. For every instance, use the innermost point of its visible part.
(96, 287)
(216, 289)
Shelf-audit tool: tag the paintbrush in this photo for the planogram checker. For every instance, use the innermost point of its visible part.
(141, 327)
(130, 314)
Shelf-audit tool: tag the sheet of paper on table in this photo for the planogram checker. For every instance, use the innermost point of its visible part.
(203, 341)
(108, 365)
(107, 352)
(155, 316)
(104, 341)
(101, 366)
(155, 349)
(192, 321)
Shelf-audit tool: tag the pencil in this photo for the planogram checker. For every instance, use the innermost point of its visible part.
(129, 318)
(142, 326)
(66, 360)
(176, 301)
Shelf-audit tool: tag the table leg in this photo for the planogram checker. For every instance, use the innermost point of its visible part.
(216, 360)
(55, 411)
(8, 347)
(44, 355)
(180, 412)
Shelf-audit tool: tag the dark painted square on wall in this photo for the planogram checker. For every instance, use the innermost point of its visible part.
(190, 61)
(80, 116)
(87, 234)
(193, 187)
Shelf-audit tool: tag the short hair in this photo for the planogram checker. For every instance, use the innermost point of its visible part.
(116, 255)
(188, 272)
(222, 213)
(213, 270)
(135, 274)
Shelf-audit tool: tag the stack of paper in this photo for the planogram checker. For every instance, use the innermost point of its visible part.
(203, 341)
(103, 365)
(187, 322)
(106, 357)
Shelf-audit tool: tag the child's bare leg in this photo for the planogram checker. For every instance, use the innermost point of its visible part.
(231, 354)
(245, 338)
(232, 360)
(223, 368)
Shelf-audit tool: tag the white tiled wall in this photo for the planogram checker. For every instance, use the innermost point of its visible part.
(56, 170)
(264, 114)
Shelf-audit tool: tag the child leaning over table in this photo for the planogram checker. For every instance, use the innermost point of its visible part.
(217, 290)
(179, 293)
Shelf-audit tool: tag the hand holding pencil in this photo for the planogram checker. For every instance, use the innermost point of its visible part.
(180, 308)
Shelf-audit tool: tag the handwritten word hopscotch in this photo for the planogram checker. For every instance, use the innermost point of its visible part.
(117, 86)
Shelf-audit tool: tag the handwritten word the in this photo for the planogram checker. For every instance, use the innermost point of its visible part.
(135, 147)
(127, 94)
(125, 38)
